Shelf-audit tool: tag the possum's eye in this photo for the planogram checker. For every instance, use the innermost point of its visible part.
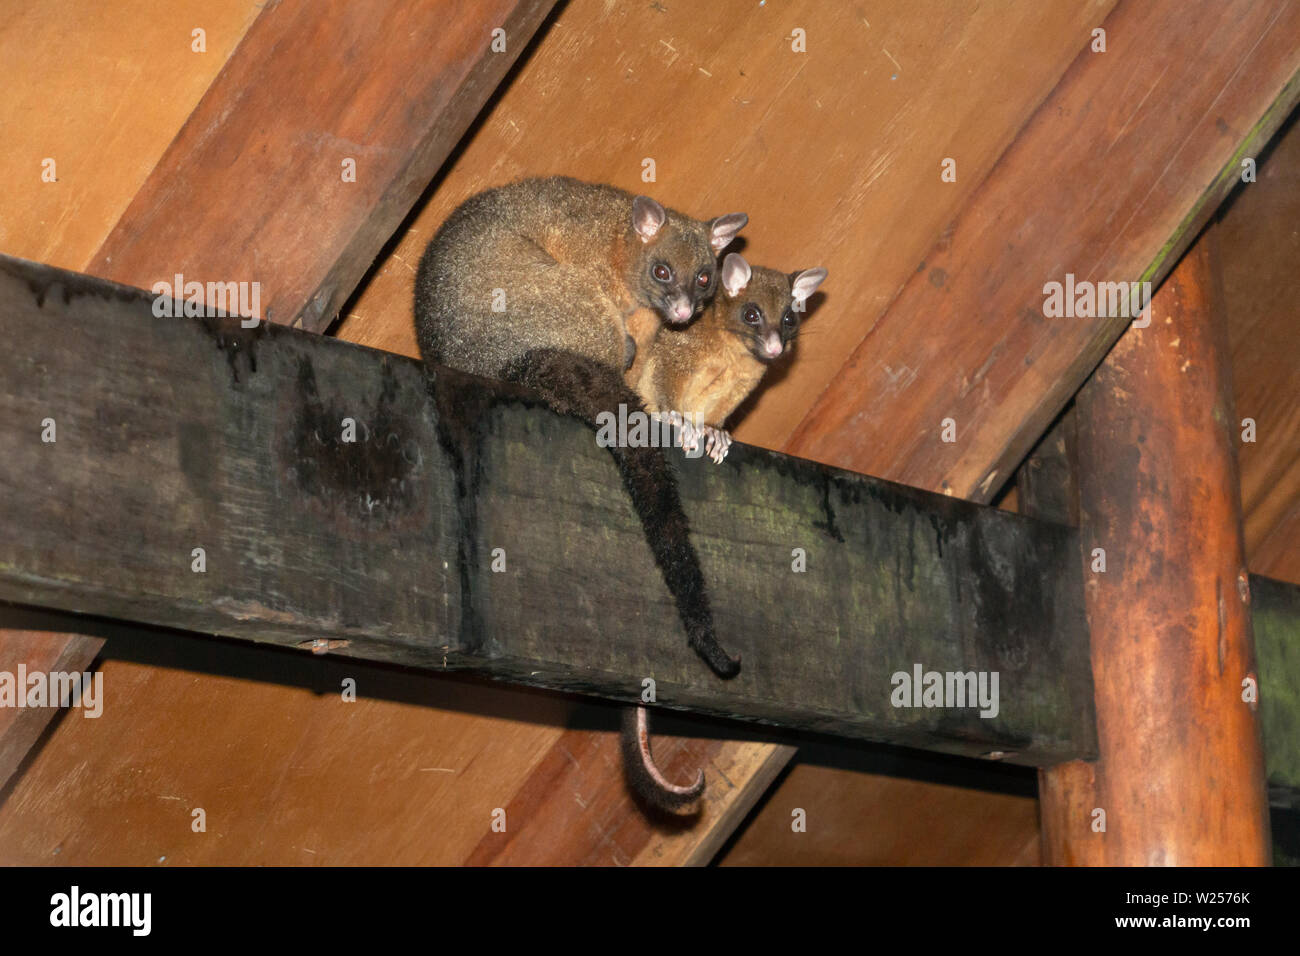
(703, 279)
(789, 319)
(662, 272)
(752, 314)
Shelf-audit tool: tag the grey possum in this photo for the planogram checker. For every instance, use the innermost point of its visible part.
(533, 283)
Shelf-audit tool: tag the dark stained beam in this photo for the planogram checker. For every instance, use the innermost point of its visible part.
(1276, 615)
(175, 434)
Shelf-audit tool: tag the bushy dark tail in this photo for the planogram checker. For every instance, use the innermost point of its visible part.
(574, 385)
(577, 386)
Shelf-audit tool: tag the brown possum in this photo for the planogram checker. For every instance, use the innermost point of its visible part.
(704, 371)
(534, 282)
(701, 374)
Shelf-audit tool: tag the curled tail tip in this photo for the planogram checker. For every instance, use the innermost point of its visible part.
(647, 780)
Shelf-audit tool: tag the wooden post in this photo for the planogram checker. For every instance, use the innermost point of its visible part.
(1180, 777)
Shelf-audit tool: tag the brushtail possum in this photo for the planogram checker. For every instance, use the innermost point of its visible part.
(704, 371)
(533, 283)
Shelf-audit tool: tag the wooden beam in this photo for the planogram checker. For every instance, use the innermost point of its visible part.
(177, 434)
(255, 186)
(1180, 775)
(1275, 610)
(1109, 181)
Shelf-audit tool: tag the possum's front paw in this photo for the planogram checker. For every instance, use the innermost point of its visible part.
(717, 442)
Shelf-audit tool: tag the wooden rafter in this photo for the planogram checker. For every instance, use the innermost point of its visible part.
(257, 188)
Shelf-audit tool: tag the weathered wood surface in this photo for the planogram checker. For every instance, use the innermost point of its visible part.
(309, 538)
(1180, 774)
(1110, 181)
(1048, 487)
(388, 85)
(1275, 608)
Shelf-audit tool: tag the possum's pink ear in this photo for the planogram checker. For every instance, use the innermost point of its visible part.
(648, 217)
(735, 274)
(723, 229)
(804, 284)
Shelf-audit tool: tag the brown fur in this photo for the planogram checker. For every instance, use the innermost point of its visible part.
(708, 368)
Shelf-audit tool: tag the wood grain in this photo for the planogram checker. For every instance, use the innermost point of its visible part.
(101, 89)
(856, 818)
(46, 652)
(1259, 246)
(247, 729)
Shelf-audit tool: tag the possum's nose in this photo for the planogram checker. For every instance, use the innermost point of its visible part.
(772, 345)
(683, 309)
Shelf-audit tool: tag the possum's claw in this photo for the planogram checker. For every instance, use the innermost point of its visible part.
(718, 442)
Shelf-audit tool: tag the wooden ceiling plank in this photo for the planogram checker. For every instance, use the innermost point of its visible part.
(99, 91)
(257, 186)
(1109, 181)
